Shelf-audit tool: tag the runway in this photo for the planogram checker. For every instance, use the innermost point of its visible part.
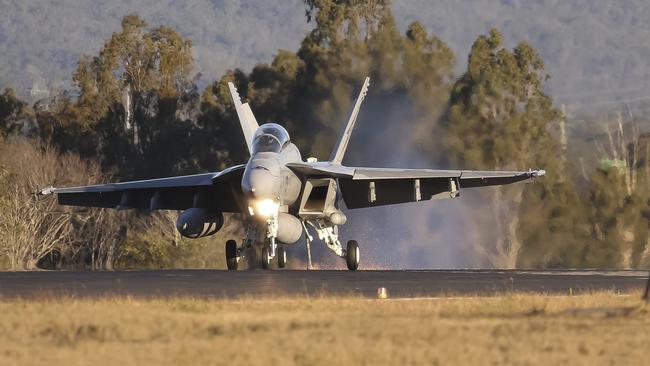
(277, 283)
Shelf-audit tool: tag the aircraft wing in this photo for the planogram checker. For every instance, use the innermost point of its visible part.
(369, 187)
(219, 191)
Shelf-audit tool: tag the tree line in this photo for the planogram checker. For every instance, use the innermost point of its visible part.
(140, 114)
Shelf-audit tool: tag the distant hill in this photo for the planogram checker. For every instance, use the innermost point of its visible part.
(41, 42)
(596, 50)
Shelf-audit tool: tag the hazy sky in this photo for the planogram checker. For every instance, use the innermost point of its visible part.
(593, 48)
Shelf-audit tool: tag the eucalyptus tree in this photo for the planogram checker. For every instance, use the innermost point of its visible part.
(137, 95)
(500, 118)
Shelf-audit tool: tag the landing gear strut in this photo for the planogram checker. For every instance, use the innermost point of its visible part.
(308, 240)
(270, 251)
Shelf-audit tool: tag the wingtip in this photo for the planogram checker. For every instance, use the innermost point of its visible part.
(538, 173)
(46, 191)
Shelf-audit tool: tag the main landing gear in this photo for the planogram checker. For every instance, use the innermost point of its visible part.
(352, 255)
(232, 255)
(235, 254)
(326, 232)
(329, 234)
(282, 257)
(266, 258)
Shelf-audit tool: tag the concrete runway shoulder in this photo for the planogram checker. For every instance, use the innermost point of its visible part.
(225, 284)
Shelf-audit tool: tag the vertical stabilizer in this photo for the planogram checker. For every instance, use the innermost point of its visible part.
(344, 137)
(246, 117)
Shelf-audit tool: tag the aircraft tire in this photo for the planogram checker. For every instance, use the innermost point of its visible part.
(352, 255)
(231, 255)
(266, 260)
(282, 257)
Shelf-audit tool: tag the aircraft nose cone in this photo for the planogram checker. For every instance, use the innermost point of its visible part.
(259, 183)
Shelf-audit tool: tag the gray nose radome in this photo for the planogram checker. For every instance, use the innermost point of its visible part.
(259, 183)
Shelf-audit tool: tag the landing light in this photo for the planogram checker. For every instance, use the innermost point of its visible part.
(266, 207)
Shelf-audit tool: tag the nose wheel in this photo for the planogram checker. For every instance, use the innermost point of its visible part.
(352, 255)
(249, 249)
(267, 259)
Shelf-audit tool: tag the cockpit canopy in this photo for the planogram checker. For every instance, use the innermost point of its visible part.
(270, 137)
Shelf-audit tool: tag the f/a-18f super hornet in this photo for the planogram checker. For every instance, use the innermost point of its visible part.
(279, 196)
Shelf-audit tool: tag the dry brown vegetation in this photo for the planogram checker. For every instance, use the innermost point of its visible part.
(35, 229)
(32, 227)
(601, 328)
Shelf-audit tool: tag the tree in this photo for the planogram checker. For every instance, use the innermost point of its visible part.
(136, 103)
(34, 227)
(311, 92)
(619, 202)
(500, 118)
(553, 226)
(12, 110)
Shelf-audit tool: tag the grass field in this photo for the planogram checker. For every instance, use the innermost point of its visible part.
(594, 329)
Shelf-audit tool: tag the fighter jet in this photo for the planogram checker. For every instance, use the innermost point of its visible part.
(280, 197)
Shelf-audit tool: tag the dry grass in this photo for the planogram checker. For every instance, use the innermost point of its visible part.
(601, 328)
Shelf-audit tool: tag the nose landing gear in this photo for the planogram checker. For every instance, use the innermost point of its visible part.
(267, 258)
(270, 251)
(261, 255)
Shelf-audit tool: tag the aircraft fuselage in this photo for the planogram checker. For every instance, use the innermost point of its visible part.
(266, 176)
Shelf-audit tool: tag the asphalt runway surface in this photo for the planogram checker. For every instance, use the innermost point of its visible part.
(278, 283)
